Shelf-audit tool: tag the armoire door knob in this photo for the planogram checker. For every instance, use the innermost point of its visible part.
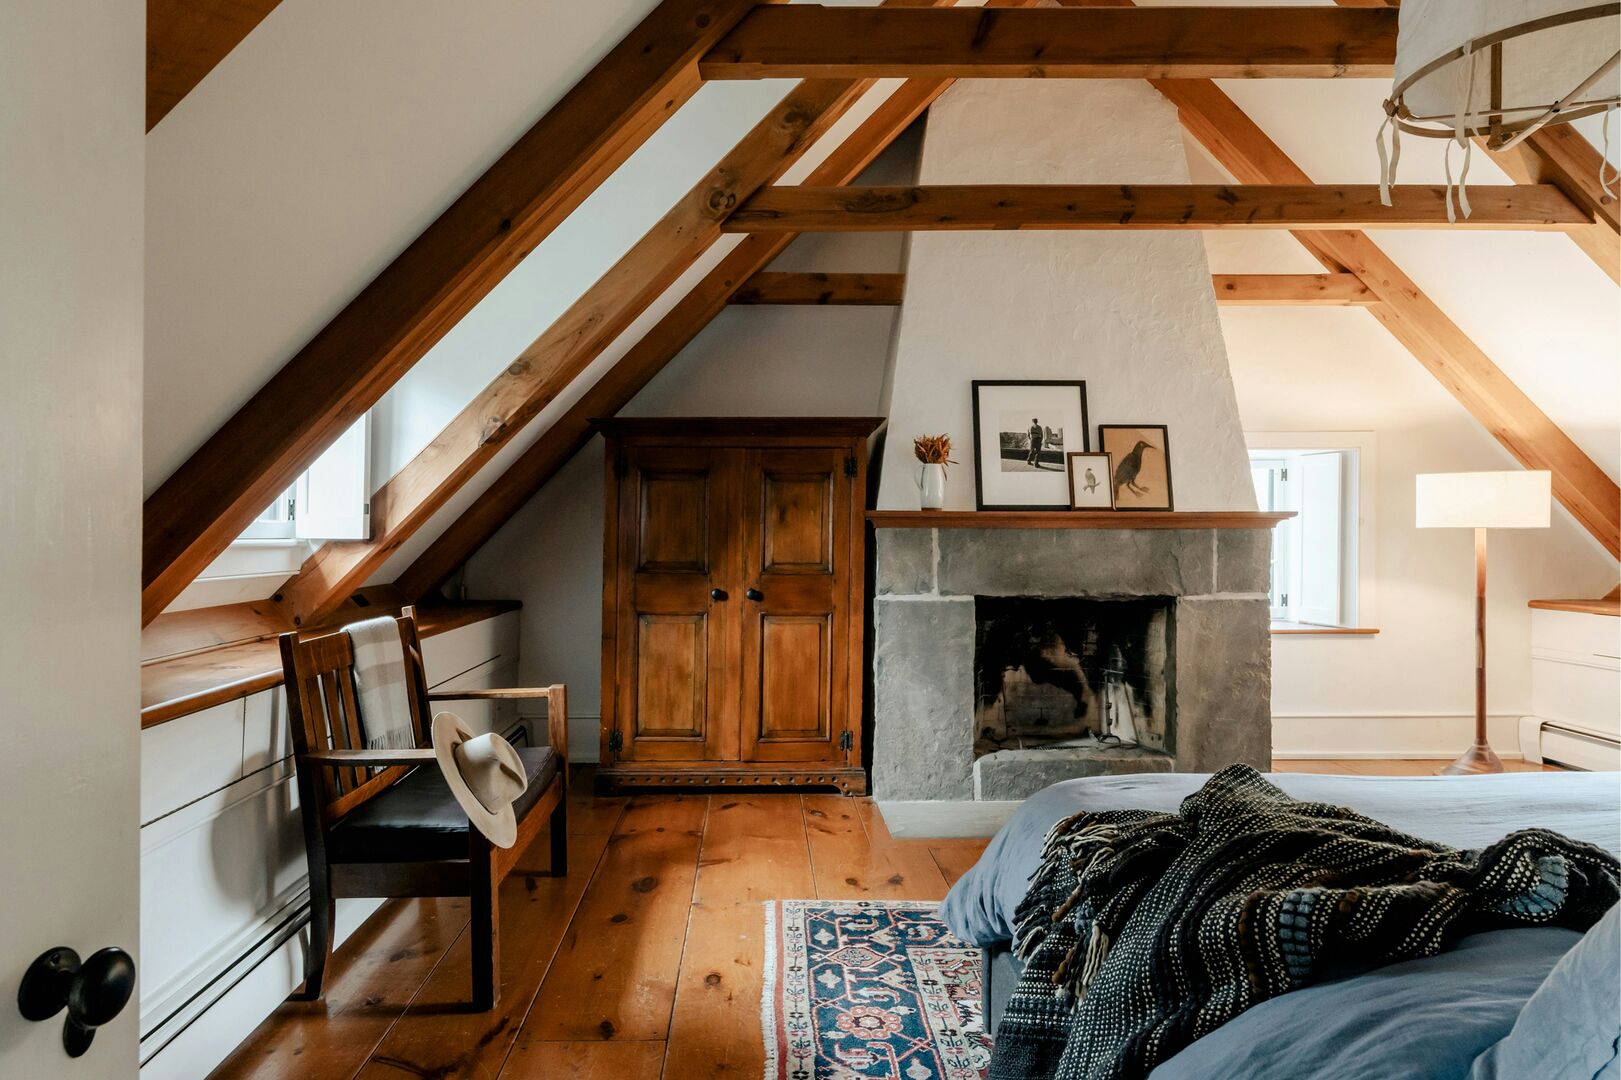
(94, 991)
(755, 594)
(717, 594)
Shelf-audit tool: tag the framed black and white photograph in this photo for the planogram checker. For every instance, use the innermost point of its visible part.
(1022, 431)
(1141, 458)
(1089, 486)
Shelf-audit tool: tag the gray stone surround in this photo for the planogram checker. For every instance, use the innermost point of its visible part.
(923, 649)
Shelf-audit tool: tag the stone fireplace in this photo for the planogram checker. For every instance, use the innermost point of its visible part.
(1005, 660)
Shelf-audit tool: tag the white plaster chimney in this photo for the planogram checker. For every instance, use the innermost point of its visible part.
(1132, 313)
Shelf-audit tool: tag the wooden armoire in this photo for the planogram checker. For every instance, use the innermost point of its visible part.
(732, 594)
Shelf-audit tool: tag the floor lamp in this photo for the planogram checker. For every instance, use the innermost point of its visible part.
(1481, 501)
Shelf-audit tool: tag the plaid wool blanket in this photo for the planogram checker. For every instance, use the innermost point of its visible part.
(1142, 931)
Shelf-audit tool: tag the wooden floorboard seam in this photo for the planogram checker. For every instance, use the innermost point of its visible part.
(686, 936)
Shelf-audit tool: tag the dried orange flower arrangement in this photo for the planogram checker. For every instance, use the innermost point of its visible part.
(933, 449)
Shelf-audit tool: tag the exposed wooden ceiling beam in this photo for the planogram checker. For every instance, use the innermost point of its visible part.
(803, 41)
(186, 39)
(1285, 290)
(1560, 155)
(859, 290)
(436, 280)
(1525, 431)
(570, 344)
(802, 208)
(866, 290)
(611, 393)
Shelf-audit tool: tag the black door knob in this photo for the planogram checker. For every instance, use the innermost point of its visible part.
(717, 594)
(755, 594)
(94, 991)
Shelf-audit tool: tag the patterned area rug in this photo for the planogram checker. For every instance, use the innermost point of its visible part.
(869, 989)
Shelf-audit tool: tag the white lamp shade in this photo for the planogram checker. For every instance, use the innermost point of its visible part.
(1549, 49)
(1484, 500)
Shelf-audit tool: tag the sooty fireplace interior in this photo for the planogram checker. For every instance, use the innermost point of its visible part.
(1071, 673)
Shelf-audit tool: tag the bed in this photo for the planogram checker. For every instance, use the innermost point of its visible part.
(1428, 1017)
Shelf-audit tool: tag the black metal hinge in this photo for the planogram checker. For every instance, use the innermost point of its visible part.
(850, 471)
(847, 741)
(616, 741)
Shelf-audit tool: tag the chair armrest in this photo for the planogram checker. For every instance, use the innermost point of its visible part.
(503, 694)
(367, 759)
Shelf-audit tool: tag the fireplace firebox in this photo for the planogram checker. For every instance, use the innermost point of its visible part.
(1071, 673)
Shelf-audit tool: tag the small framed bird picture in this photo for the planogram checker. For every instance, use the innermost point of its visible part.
(1140, 456)
(1089, 486)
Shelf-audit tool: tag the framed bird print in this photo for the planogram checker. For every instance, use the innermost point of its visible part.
(1140, 460)
(1023, 428)
(1089, 486)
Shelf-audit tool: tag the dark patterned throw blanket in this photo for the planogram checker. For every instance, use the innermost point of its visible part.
(1143, 931)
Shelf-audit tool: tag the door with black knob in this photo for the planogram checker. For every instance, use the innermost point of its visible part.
(795, 619)
(678, 614)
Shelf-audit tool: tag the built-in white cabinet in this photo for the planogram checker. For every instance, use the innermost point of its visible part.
(223, 876)
(1575, 690)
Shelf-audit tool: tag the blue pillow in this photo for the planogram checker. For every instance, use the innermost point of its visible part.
(1571, 1027)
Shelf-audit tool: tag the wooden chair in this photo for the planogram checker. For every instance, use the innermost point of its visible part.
(383, 823)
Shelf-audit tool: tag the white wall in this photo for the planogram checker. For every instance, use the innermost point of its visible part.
(751, 361)
(1130, 313)
(1410, 689)
(72, 80)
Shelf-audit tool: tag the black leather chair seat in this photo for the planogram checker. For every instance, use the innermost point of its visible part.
(418, 818)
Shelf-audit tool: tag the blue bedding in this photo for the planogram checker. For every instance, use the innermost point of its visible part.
(1423, 1018)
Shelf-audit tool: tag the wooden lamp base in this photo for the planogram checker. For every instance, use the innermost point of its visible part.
(1479, 758)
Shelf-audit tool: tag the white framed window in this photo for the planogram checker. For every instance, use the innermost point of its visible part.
(1321, 557)
(331, 501)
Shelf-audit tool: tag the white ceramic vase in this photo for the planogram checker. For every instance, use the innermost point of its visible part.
(931, 487)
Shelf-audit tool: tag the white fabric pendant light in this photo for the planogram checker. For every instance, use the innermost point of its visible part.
(1499, 69)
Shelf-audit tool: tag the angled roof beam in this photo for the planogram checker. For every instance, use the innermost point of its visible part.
(802, 208)
(645, 359)
(570, 344)
(457, 260)
(1560, 155)
(1525, 431)
(809, 41)
(186, 39)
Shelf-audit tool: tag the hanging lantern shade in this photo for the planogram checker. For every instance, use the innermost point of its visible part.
(1500, 69)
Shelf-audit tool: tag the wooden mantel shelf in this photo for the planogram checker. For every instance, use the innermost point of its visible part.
(1074, 519)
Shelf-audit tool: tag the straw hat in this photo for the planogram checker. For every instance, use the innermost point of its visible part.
(484, 773)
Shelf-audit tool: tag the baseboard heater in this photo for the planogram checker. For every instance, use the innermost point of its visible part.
(1575, 746)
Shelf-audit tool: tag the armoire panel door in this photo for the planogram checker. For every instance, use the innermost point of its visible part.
(676, 692)
(795, 539)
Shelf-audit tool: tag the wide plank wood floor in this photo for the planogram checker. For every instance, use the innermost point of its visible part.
(643, 962)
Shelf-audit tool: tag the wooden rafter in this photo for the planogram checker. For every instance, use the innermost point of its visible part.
(651, 353)
(186, 39)
(805, 41)
(803, 208)
(859, 290)
(351, 363)
(1275, 290)
(570, 344)
(866, 290)
(1559, 155)
(1534, 440)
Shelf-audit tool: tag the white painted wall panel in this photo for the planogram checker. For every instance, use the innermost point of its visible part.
(210, 745)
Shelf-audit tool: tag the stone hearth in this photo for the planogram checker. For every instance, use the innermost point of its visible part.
(927, 581)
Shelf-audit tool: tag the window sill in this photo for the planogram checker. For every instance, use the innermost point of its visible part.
(1325, 631)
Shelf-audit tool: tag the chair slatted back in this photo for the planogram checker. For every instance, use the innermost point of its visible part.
(324, 714)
